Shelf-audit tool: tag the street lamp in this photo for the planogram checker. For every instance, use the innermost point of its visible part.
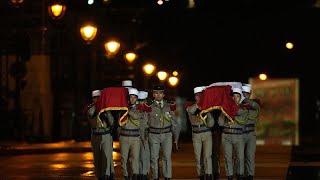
(263, 77)
(175, 73)
(148, 69)
(162, 75)
(130, 57)
(173, 81)
(56, 10)
(88, 32)
(112, 47)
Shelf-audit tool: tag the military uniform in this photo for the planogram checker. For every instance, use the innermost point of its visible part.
(162, 127)
(129, 138)
(101, 142)
(202, 141)
(201, 136)
(232, 140)
(250, 135)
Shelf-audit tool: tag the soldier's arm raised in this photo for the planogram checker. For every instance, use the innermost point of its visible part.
(210, 120)
(110, 118)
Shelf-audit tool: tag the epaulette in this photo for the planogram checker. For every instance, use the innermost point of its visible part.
(149, 103)
(172, 105)
(145, 107)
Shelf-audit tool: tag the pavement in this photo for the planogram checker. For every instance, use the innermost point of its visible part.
(298, 153)
(8, 148)
(22, 147)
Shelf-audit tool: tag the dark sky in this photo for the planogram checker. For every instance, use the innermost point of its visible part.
(233, 44)
(216, 41)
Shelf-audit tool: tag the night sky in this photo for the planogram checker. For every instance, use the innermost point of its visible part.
(234, 43)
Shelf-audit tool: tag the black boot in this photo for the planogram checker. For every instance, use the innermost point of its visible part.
(201, 177)
(229, 177)
(216, 176)
(239, 177)
(249, 177)
(135, 177)
(144, 177)
(126, 177)
(208, 176)
(166, 178)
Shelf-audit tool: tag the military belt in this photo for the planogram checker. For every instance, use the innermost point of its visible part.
(227, 130)
(201, 131)
(201, 125)
(129, 132)
(249, 128)
(199, 128)
(100, 132)
(155, 130)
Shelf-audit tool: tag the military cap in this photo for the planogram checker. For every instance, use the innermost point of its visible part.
(158, 87)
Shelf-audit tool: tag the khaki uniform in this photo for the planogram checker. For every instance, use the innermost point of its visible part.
(129, 138)
(232, 140)
(250, 138)
(101, 142)
(202, 141)
(162, 127)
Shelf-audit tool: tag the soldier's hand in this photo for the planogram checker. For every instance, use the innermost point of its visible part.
(145, 143)
(177, 147)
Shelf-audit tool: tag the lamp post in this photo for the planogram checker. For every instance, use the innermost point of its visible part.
(56, 10)
(173, 82)
(130, 58)
(88, 33)
(148, 69)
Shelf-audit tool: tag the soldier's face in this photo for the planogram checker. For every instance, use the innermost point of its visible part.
(158, 95)
(95, 99)
(197, 97)
(133, 99)
(236, 97)
(246, 95)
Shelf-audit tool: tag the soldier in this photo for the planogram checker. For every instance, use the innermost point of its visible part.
(249, 132)
(144, 165)
(201, 137)
(129, 138)
(101, 140)
(232, 138)
(162, 126)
